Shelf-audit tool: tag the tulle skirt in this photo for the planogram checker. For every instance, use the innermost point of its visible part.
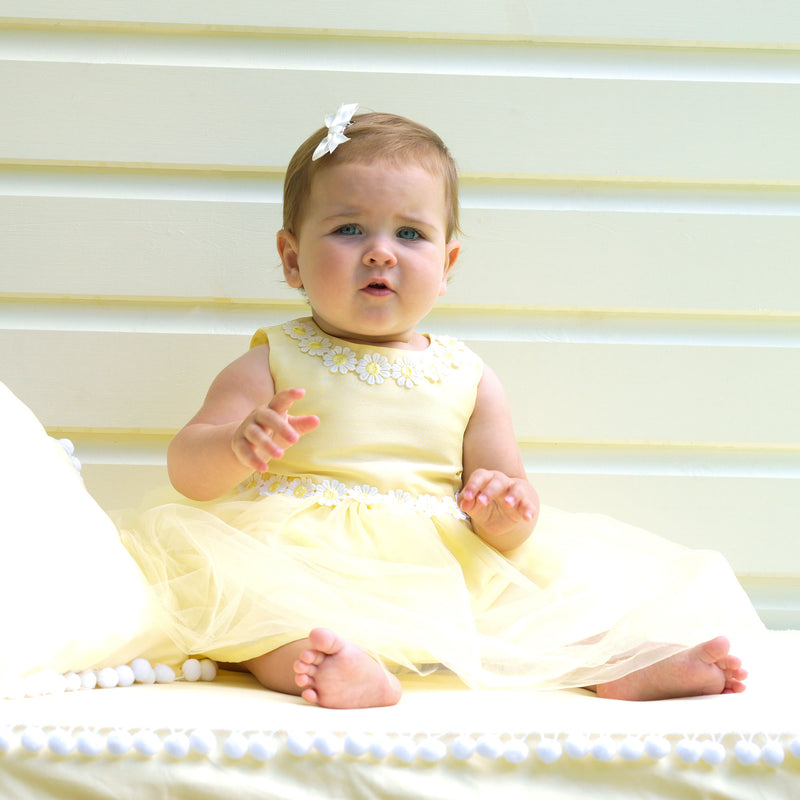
(585, 600)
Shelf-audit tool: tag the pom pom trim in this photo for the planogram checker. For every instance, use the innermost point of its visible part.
(259, 747)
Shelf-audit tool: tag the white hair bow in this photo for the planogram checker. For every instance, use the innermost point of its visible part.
(336, 124)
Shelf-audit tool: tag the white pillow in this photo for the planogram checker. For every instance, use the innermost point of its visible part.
(71, 597)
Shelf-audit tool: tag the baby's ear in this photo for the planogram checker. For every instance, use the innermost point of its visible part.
(288, 251)
(452, 249)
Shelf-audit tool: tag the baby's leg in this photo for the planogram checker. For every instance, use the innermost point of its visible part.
(326, 670)
(707, 668)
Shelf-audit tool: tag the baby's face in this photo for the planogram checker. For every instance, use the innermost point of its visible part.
(372, 252)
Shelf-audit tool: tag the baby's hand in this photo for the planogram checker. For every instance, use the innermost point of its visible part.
(499, 504)
(268, 430)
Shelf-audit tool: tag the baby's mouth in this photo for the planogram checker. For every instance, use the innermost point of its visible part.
(378, 287)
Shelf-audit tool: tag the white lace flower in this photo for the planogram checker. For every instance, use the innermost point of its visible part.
(399, 496)
(368, 495)
(271, 484)
(340, 359)
(315, 345)
(299, 487)
(406, 372)
(428, 505)
(374, 368)
(299, 329)
(329, 492)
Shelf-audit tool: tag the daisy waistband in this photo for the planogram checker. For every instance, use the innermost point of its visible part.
(332, 493)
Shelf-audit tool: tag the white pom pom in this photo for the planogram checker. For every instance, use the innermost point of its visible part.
(690, 751)
(61, 743)
(177, 745)
(263, 748)
(380, 747)
(208, 670)
(125, 676)
(714, 753)
(90, 743)
(72, 681)
(164, 674)
(356, 744)
(107, 678)
(794, 747)
(747, 753)
(516, 751)
(327, 744)
(490, 746)
(604, 748)
(432, 750)
(298, 744)
(773, 754)
(67, 446)
(191, 669)
(577, 746)
(548, 751)
(657, 747)
(143, 671)
(6, 739)
(405, 750)
(235, 746)
(119, 743)
(33, 739)
(631, 749)
(202, 741)
(146, 743)
(88, 679)
(463, 747)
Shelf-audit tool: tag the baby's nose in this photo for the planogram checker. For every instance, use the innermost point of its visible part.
(379, 254)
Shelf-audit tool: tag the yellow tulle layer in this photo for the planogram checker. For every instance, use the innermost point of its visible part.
(585, 600)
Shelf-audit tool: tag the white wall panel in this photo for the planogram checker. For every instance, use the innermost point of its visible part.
(768, 21)
(591, 257)
(546, 126)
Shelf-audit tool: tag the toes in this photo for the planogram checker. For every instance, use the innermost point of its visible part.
(326, 641)
(310, 696)
(715, 650)
(311, 658)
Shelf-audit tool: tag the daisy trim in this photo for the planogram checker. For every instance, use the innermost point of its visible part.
(445, 353)
(330, 492)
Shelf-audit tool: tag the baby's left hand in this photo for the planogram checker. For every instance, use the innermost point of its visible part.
(499, 505)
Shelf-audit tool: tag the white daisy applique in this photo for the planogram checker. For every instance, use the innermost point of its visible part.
(299, 329)
(339, 359)
(315, 345)
(407, 373)
(374, 368)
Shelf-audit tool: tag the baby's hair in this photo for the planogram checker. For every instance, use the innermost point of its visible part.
(373, 137)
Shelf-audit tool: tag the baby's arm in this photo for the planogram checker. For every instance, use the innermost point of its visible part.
(496, 493)
(242, 424)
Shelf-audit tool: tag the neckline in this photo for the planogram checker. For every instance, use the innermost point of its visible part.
(367, 345)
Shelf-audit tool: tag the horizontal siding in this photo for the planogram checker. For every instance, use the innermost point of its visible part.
(623, 247)
(768, 21)
(545, 126)
(631, 193)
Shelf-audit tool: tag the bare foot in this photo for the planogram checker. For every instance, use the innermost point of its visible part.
(707, 668)
(336, 674)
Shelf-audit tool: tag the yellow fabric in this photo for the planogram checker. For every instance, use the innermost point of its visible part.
(586, 600)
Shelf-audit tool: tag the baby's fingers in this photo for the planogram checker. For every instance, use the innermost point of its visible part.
(282, 401)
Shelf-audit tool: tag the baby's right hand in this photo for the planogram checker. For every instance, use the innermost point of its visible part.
(269, 429)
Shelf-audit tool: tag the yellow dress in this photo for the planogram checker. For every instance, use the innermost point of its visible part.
(357, 529)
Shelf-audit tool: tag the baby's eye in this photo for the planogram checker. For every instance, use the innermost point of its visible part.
(349, 229)
(408, 233)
